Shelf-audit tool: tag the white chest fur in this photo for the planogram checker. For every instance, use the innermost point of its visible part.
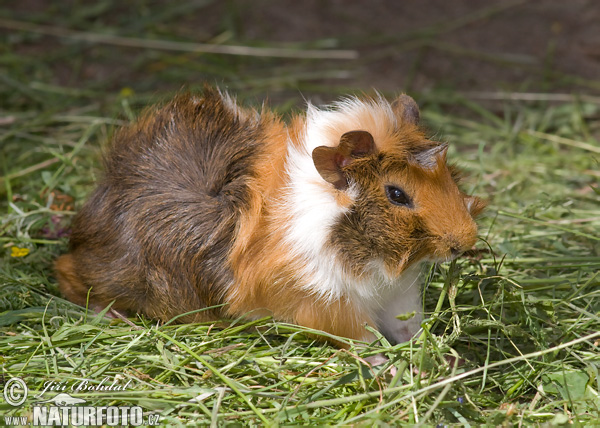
(401, 297)
(312, 210)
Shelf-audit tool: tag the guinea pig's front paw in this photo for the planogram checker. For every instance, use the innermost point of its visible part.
(111, 313)
(400, 324)
(377, 360)
(400, 331)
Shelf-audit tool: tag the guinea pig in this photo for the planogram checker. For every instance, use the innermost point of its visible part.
(323, 222)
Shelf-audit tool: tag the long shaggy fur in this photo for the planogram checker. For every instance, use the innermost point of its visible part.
(204, 202)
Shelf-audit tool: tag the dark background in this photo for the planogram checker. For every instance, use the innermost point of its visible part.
(474, 47)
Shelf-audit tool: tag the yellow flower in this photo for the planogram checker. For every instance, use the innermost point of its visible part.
(19, 252)
(126, 92)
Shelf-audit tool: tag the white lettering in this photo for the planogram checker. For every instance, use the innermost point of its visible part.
(100, 413)
(88, 415)
(83, 416)
(76, 387)
(54, 416)
(77, 416)
(15, 421)
(40, 416)
(100, 386)
(113, 386)
(112, 416)
(50, 385)
(135, 416)
(65, 413)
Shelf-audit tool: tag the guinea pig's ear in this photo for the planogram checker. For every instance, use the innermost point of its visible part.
(428, 157)
(474, 205)
(406, 109)
(329, 161)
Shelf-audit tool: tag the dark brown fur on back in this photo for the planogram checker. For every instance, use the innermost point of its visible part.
(176, 183)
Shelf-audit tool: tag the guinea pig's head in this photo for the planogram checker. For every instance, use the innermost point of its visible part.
(406, 204)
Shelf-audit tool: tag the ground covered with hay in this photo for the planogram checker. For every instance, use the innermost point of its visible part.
(512, 330)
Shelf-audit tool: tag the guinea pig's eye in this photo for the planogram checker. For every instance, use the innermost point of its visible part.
(397, 196)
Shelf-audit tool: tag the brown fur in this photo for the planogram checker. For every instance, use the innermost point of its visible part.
(194, 206)
(410, 234)
(180, 184)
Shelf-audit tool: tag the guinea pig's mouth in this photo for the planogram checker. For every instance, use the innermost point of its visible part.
(423, 254)
(443, 259)
(449, 247)
(450, 255)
